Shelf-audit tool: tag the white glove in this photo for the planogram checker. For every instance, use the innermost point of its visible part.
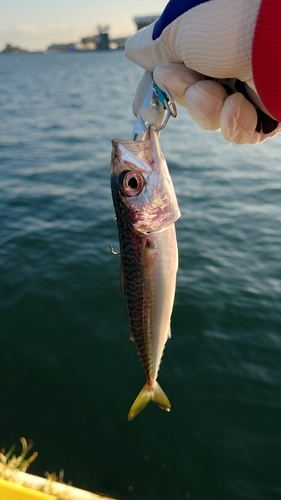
(212, 39)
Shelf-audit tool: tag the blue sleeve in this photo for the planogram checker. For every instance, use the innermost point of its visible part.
(174, 9)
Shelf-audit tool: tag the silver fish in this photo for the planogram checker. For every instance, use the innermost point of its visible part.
(146, 209)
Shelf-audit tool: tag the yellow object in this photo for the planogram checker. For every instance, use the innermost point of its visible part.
(29, 485)
(16, 484)
(11, 491)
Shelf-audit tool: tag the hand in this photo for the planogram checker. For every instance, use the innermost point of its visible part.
(215, 40)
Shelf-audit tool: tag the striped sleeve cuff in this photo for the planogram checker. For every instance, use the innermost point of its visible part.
(266, 56)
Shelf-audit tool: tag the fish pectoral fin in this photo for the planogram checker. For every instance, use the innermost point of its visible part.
(132, 336)
(147, 394)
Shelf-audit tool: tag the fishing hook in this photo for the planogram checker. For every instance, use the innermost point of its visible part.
(112, 250)
(168, 103)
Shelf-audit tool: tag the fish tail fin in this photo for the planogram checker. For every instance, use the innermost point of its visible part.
(147, 394)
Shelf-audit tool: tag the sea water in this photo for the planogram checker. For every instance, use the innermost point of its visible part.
(69, 372)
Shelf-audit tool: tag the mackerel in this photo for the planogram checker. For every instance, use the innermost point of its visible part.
(146, 209)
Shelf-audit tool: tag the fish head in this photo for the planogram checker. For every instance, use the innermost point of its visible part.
(141, 185)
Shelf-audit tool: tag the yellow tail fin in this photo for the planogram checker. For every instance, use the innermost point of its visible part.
(147, 394)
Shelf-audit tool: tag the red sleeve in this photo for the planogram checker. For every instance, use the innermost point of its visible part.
(266, 56)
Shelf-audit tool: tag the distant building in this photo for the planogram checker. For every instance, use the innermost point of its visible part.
(9, 49)
(143, 21)
(100, 41)
(62, 47)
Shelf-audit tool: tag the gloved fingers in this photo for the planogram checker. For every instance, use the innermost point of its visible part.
(204, 101)
(239, 120)
(212, 108)
(177, 78)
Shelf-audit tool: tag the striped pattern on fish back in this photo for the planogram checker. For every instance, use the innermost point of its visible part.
(132, 245)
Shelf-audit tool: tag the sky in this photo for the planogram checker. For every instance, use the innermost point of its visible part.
(36, 24)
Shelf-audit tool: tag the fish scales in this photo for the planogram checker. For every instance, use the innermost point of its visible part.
(131, 246)
(146, 209)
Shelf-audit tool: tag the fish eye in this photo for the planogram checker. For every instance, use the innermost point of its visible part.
(132, 183)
